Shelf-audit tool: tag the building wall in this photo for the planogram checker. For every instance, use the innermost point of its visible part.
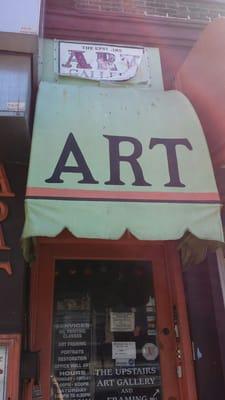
(125, 22)
(202, 287)
(190, 10)
(174, 27)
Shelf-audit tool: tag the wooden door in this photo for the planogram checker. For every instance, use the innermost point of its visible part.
(176, 369)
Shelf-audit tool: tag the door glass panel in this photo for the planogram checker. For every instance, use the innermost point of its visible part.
(104, 332)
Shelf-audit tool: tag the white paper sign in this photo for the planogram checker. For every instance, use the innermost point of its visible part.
(123, 350)
(3, 372)
(16, 106)
(122, 321)
(98, 62)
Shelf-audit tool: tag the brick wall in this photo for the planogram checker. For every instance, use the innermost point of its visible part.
(183, 9)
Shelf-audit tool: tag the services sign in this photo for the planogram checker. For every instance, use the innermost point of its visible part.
(98, 62)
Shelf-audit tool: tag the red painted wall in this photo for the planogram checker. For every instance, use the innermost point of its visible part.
(201, 79)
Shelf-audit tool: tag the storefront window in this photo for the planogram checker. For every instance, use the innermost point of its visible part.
(3, 371)
(104, 332)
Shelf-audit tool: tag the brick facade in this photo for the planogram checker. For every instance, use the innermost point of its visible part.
(182, 9)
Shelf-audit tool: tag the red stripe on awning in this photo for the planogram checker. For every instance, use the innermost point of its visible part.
(38, 192)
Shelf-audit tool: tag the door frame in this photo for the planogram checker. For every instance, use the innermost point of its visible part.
(169, 292)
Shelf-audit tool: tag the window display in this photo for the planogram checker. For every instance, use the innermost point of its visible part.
(104, 332)
(3, 371)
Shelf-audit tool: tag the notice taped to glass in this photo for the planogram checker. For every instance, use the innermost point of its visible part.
(123, 350)
(72, 338)
(122, 321)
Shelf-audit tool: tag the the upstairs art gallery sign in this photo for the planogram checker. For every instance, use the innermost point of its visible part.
(97, 61)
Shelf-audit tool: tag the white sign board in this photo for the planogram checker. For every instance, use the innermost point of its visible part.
(98, 61)
(122, 321)
(3, 371)
(20, 16)
(123, 350)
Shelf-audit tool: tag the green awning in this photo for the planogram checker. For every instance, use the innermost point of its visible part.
(106, 159)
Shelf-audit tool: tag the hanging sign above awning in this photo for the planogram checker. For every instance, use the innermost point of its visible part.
(98, 61)
(109, 159)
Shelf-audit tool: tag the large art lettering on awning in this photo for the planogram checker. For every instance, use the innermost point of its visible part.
(106, 159)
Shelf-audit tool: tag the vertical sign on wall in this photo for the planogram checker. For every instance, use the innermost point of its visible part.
(3, 371)
(5, 191)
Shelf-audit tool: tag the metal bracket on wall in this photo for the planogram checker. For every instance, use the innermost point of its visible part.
(6, 266)
(30, 366)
